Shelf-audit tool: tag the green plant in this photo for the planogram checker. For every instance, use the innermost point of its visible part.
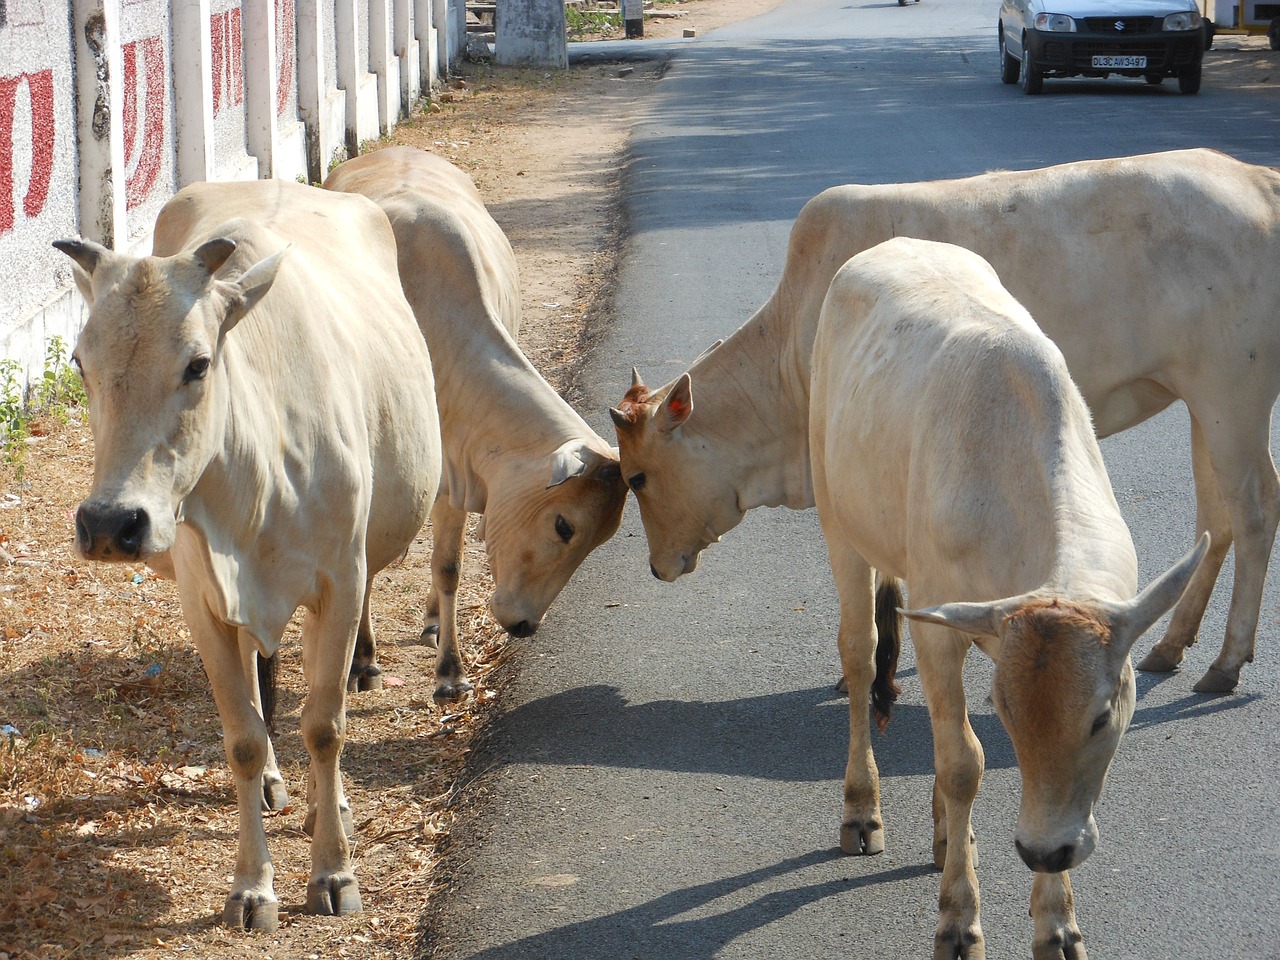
(13, 415)
(579, 23)
(59, 389)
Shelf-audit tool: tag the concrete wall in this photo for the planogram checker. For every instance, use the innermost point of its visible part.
(108, 107)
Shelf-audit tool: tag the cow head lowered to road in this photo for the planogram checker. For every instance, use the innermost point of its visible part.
(547, 485)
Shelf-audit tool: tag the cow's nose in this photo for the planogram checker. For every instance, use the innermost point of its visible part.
(1055, 861)
(522, 629)
(108, 532)
(654, 571)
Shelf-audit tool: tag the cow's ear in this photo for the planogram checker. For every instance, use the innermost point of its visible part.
(212, 254)
(569, 461)
(251, 287)
(86, 257)
(1131, 619)
(979, 619)
(677, 406)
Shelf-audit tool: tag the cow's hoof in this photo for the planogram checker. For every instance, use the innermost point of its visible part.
(335, 895)
(364, 678)
(1160, 661)
(431, 636)
(247, 911)
(451, 691)
(274, 794)
(955, 943)
(1065, 944)
(1217, 681)
(862, 838)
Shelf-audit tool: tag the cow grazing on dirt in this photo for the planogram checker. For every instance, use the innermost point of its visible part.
(1156, 277)
(266, 434)
(548, 486)
(951, 449)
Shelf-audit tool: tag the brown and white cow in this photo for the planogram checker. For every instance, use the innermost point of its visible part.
(1156, 277)
(265, 432)
(951, 449)
(548, 486)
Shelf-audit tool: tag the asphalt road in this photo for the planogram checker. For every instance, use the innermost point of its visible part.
(665, 782)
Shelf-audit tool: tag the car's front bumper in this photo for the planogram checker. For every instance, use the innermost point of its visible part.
(1168, 53)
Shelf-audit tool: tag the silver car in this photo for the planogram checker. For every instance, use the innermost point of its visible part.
(1152, 39)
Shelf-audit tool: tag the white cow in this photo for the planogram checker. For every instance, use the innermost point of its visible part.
(951, 449)
(548, 486)
(1155, 275)
(266, 434)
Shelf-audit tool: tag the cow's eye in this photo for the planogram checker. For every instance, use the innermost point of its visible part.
(196, 370)
(1099, 722)
(564, 529)
(637, 482)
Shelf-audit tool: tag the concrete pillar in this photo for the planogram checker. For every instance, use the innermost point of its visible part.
(193, 92)
(261, 83)
(100, 134)
(532, 33)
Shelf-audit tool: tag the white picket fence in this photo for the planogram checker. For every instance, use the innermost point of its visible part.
(109, 107)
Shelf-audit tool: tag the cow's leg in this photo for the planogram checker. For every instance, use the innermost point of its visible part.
(861, 825)
(958, 760)
(1238, 447)
(252, 903)
(365, 673)
(328, 639)
(274, 794)
(1053, 911)
(448, 527)
(1212, 515)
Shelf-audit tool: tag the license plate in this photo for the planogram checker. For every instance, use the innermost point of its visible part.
(1120, 63)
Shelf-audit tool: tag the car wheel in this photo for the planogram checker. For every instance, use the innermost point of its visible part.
(1009, 67)
(1210, 28)
(1273, 34)
(1154, 79)
(1030, 78)
(1189, 80)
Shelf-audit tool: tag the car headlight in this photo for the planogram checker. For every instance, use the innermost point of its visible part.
(1183, 21)
(1059, 23)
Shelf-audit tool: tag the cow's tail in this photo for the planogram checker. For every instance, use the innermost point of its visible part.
(885, 689)
(267, 688)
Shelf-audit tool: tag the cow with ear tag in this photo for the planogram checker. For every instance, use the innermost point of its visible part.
(265, 433)
(548, 487)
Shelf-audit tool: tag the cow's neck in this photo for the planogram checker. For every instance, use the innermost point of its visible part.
(751, 399)
(496, 411)
(1094, 556)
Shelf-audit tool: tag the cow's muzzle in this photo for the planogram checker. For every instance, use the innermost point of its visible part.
(525, 628)
(111, 532)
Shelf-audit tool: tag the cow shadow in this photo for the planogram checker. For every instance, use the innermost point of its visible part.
(660, 926)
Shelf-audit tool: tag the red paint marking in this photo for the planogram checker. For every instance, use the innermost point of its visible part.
(228, 59)
(217, 36)
(286, 52)
(147, 166)
(40, 90)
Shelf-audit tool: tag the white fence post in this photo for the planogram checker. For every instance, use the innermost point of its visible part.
(109, 106)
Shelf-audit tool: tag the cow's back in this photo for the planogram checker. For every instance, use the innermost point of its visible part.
(946, 422)
(1124, 263)
(452, 253)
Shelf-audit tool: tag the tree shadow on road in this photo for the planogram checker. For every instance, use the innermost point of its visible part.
(658, 928)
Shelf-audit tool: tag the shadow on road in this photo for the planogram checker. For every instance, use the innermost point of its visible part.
(656, 928)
